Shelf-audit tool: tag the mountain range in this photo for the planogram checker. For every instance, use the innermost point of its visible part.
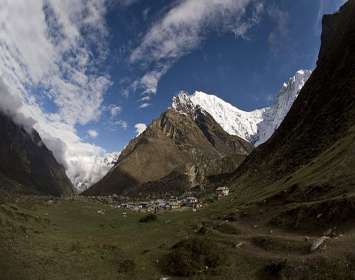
(184, 142)
(197, 112)
(256, 126)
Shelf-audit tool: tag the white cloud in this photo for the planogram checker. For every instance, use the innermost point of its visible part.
(84, 162)
(114, 110)
(42, 45)
(121, 123)
(11, 105)
(144, 105)
(182, 29)
(140, 128)
(145, 98)
(92, 133)
(46, 52)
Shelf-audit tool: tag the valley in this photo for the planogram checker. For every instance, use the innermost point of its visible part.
(69, 239)
(205, 191)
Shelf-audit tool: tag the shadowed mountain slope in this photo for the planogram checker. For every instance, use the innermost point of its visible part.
(26, 165)
(312, 155)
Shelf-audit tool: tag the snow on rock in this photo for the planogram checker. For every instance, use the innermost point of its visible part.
(274, 115)
(233, 120)
(256, 126)
(183, 103)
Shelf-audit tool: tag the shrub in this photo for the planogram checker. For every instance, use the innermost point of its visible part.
(148, 218)
(126, 266)
(274, 269)
(192, 256)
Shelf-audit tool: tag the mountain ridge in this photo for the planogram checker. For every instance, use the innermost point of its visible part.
(183, 140)
(255, 126)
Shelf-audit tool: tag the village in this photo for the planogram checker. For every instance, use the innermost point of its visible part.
(184, 202)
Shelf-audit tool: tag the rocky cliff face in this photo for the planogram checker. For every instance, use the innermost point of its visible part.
(184, 140)
(26, 165)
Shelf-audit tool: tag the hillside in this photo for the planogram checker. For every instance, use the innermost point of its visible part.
(184, 140)
(310, 159)
(26, 165)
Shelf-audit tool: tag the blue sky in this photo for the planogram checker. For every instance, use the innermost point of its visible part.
(245, 70)
(84, 73)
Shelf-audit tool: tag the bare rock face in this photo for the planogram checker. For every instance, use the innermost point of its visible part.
(26, 165)
(184, 140)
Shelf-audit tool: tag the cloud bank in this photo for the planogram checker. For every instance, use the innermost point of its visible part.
(182, 29)
(46, 56)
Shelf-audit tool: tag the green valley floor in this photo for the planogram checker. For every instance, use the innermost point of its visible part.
(69, 239)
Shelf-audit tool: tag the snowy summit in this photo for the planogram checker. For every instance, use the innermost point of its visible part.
(256, 126)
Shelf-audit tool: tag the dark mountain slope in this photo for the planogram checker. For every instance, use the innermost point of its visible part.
(184, 140)
(26, 165)
(311, 157)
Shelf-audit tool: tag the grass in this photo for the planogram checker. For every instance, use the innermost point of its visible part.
(193, 256)
(70, 240)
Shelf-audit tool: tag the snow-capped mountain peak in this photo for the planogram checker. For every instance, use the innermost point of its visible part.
(183, 103)
(275, 114)
(256, 126)
(233, 120)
